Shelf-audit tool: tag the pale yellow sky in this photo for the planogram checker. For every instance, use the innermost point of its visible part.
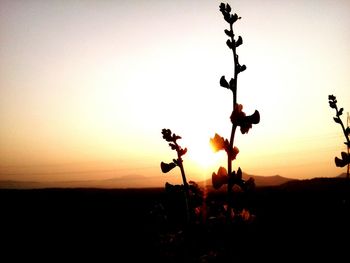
(87, 86)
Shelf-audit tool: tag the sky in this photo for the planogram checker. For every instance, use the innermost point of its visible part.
(87, 86)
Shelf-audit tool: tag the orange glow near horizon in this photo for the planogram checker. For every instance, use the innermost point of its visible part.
(86, 88)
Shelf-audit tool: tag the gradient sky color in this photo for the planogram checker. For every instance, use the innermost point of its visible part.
(87, 86)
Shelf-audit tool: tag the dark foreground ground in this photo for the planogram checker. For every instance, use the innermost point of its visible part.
(306, 221)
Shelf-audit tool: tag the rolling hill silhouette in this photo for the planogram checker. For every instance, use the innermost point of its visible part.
(260, 180)
(139, 181)
(128, 181)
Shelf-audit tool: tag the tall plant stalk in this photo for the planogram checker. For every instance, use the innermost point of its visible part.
(345, 156)
(166, 167)
(238, 117)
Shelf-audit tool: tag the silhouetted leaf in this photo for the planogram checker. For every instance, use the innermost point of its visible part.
(217, 143)
(242, 68)
(166, 167)
(232, 84)
(336, 119)
(183, 151)
(239, 41)
(229, 33)
(340, 112)
(339, 162)
(222, 7)
(176, 137)
(223, 82)
(255, 117)
(228, 8)
(344, 161)
(344, 155)
(229, 43)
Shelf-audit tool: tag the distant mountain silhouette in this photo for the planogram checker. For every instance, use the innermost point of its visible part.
(139, 181)
(316, 184)
(260, 180)
(128, 181)
(268, 180)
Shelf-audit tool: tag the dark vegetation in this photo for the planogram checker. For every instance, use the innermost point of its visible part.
(345, 156)
(298, 220)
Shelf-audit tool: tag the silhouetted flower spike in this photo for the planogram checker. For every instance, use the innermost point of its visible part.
(226, 10)
(345, 157)
(167, 135)
(332, 101)
(331, 97)
(166, 167)
(238, 117)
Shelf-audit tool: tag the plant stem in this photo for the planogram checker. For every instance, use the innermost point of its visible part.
(186, 188)
(233, 130)
(342, 125)
(235, 60)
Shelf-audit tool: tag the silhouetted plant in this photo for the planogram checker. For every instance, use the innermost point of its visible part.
(345, 157)
(172, 138)
(238, 117)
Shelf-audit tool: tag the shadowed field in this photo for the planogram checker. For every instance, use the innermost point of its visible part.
(301, 220)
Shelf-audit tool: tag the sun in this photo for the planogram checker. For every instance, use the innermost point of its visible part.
(202, 157)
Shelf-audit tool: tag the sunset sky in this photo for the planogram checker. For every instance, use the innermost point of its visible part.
(87, 86)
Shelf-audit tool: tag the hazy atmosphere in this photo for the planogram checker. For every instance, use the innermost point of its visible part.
(87, 86)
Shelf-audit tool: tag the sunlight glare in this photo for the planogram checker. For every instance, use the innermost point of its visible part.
(203, 159)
